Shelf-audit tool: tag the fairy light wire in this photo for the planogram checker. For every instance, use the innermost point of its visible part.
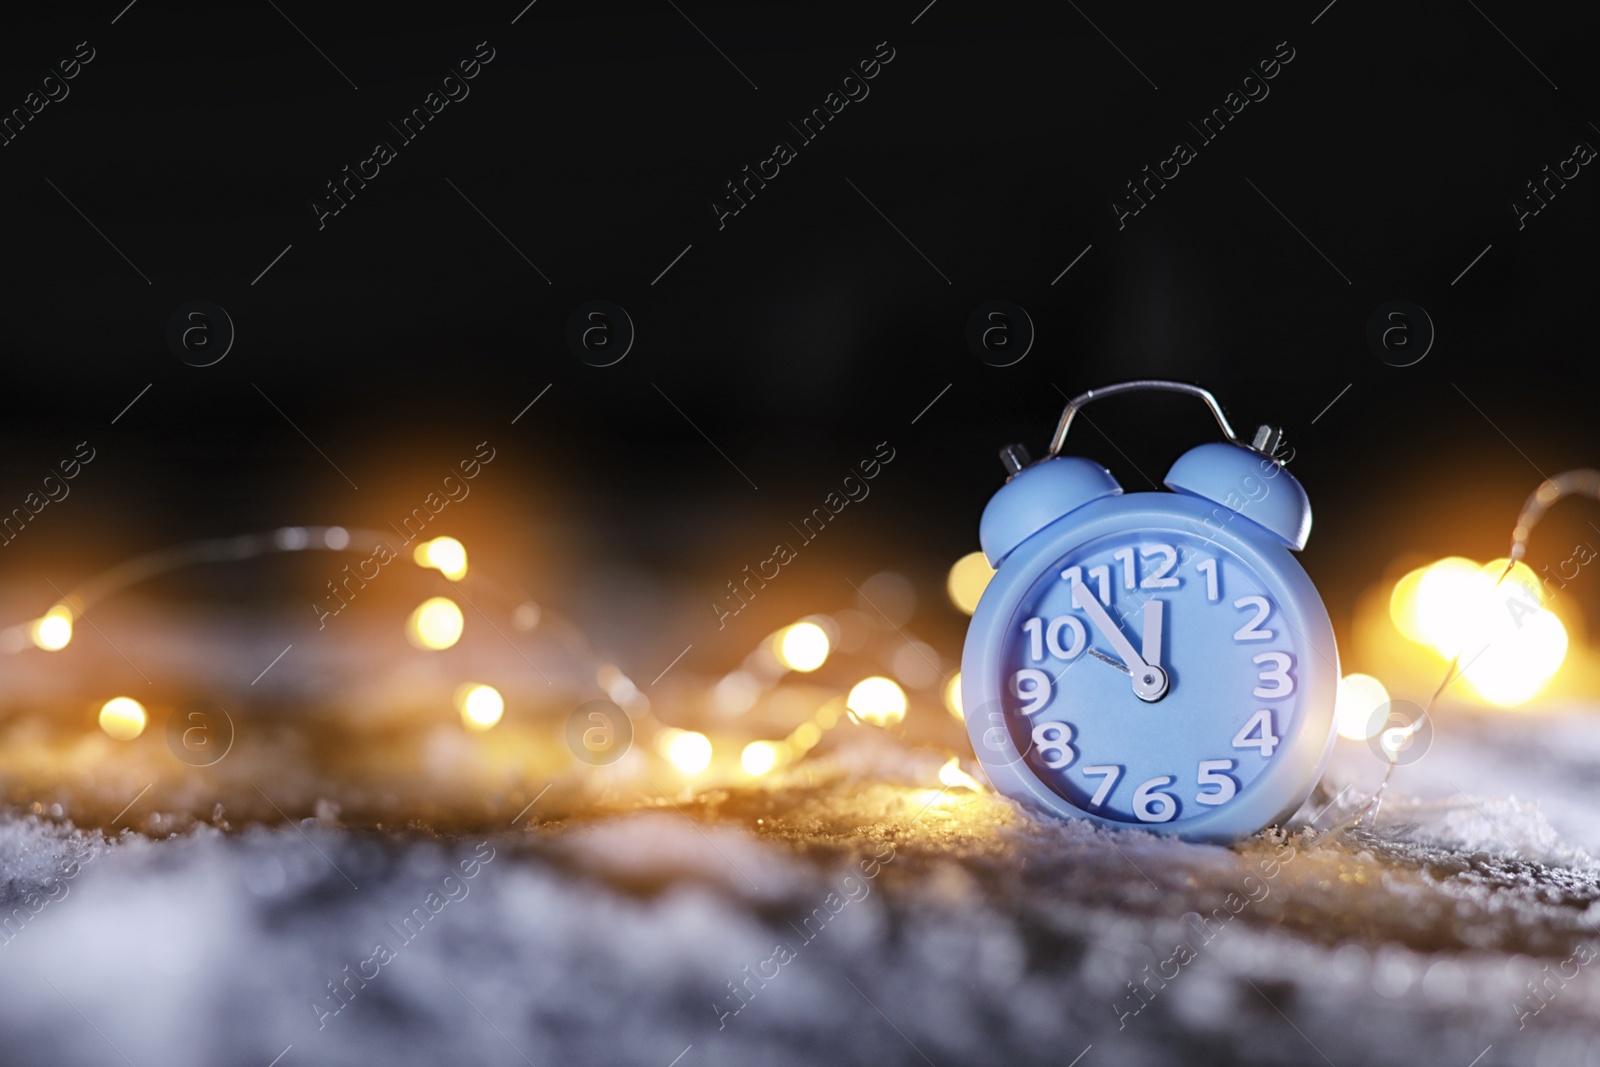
(800, 647)
(1582, 482)
(238, 548)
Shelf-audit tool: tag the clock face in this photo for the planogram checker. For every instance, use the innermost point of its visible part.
(1152, 677)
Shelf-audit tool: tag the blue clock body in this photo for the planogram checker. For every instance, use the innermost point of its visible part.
(1236, 720)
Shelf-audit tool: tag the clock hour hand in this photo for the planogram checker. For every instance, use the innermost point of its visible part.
(1149, 682)
(1152, 632)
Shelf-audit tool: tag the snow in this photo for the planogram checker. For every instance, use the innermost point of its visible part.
(917, 925)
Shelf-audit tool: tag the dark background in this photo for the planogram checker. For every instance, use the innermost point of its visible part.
(807, 330)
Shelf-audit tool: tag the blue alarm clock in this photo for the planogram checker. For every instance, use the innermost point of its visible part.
(1153, 660)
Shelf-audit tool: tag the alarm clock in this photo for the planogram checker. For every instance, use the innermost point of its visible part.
(1159, 660)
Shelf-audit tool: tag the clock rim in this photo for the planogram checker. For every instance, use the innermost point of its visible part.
(1279, 790)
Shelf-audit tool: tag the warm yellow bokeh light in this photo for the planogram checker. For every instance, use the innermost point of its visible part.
(1403, 606)
(481, 706)
(1509, 645)
(953, 776)
(436, 624)
(969, 576)
(877, 700)
(687, 750)
(1517, 661)
(827, 716)
(1450, 597)
(952, 698)
(802, 647)
(443, 554)
(1359, 696)
(123, 718)
(53, 632)
(759, 757)
(805, 736)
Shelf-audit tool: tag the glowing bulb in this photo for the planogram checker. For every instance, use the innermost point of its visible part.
(1360, 695)
(123, 718)
(443, 554)
(878, 701)
(968, 578)
(1403, 606)
(952, 697)
(759, 757)
(1518, 659)
(480, 706)
(1508, 644)
(803, 646)
(953, 776)
(686, 750)
(436, 624)
(54, 631)
(1450, 593)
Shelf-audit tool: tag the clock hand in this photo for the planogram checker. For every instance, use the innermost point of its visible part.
(1149, 682)
(1085, 600)
(1152, 632)
(1103, 658)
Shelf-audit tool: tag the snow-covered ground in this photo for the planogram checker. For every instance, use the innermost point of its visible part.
(851, 913)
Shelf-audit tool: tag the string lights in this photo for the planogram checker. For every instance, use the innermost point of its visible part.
(767, 714)
(804, 679)
(436, 624)
(1457, 605)
(123, 718)
(481, 706)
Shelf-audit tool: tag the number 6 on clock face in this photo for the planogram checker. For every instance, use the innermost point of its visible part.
(1158, 660)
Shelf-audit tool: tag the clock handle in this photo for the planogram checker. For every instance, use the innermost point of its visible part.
(1140, 385)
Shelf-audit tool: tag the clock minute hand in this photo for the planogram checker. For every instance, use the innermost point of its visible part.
(1149, 682)
(1085, 600)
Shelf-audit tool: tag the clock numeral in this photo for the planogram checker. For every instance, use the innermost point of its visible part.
(1041, 636)
(1260, 724)
(1158, 579)
(1124, 556)
(1061, 744)
(1208, 567)
(1278, 674)
(1101, 576)
(1251, 631)
(1150, 806)
(1214, 772)
(1034, 628)
(1052, 637)
(1108, 773)
(1032, 687)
